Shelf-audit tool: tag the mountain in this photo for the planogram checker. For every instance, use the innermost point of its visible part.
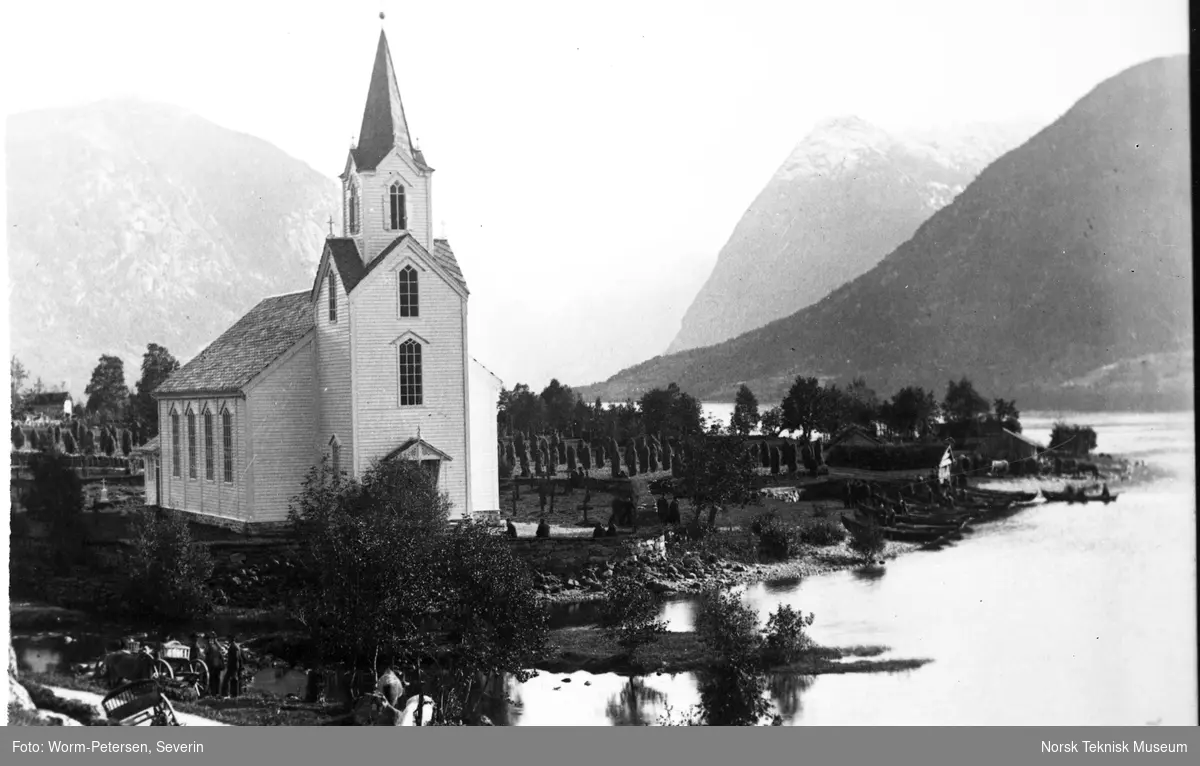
(805, 234)
(1067, 256)
(134, 222)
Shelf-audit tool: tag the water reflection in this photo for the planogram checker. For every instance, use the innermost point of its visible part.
(636, 704)
(868, 574)
(786, 690)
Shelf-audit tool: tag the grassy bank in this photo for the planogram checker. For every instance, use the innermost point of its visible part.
(250, 709)
(587, 649)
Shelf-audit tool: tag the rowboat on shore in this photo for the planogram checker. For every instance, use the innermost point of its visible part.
(909, 533)
(1080, 497)
(995, 494)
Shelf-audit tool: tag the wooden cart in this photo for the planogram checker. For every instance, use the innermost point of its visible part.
(140, 703)
(180, 666)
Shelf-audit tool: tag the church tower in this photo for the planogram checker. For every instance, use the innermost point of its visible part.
(387, 185)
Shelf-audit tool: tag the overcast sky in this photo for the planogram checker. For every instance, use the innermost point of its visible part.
(590, 164)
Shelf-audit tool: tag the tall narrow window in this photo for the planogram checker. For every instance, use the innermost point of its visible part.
(398, 213)
(408, 292)
(227, 443)
(352, 208)
(191, 445)
(410, 373)
(335, 457)
(175, 460)
(332, 298)
(208, 446)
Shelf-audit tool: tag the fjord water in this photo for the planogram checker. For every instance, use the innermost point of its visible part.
(1059, 615)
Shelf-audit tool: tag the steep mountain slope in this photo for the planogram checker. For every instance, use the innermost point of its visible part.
(132, 222)
(1068, 254)
(806, 234)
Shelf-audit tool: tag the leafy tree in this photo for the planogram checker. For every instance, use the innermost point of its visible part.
(732, 692)
(390, 581)
(1072, 439)
(745, 411)
(785, 637)
(669, 410)
(860, 403)
(17, 375)
(629, 613)
(157, 365)
(56, 497)
(521, 410)
(717, 471)
(1006, 413)
(559, 401)
(963, 403)
(911, 410)
(166, 573)
(808, 406)
(772, 422)
(107, 393)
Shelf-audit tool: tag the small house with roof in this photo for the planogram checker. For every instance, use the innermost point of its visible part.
(370, 362)
(50, 405)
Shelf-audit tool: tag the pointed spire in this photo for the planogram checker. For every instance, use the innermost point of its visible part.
(383, 127)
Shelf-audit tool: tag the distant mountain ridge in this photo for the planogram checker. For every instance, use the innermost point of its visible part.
(1062, 276)
(133, 222)
(806, 233)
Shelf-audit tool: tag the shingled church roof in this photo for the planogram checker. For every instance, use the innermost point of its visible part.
(246, 349)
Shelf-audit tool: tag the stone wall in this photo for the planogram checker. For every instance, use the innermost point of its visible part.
(563, 555)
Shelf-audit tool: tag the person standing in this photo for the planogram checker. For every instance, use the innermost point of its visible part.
(215, 660)
(194, 648)
(233, 667)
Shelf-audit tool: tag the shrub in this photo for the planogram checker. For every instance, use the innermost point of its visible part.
(867, 540)
(45, 699)
(774, 461)
(166, 574)
(18, 437)
(570, 459)
(823, 533)
(728, 627)
(629, 613)
(784, 638)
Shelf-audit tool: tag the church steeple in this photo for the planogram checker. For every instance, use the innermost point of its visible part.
(384, 127)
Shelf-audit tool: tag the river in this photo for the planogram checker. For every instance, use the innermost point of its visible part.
(1060, 615)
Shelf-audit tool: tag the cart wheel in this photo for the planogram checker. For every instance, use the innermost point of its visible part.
(201, 670)
(162, 670)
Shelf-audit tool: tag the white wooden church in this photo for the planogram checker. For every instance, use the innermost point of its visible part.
(369, 363)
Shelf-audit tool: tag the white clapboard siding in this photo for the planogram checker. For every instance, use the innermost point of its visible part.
(281, 404)
(214, 497)
(331, 363)
(149, 480)
(485, 475)
(382, 424)
(375, 234)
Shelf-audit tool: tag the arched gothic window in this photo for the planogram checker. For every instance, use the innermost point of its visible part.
(191, 436)
(332, 297)
(352, 211)
(397, 211)
(408, 292)
(227, 444)
(175, 457)
(208, 445)
(410, 374)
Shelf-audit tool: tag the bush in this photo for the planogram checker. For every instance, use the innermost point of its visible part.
(784, 638)
(629, 613)
(823, 533)
(45, 699)
(166, 574)
(867, 540)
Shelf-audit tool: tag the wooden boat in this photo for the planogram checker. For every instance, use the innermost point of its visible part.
(994, 494)
(907, 533)
(1079, 497)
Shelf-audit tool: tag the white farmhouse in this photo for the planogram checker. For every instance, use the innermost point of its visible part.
(369, 363)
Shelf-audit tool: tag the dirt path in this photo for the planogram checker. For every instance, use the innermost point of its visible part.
(187, 719)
